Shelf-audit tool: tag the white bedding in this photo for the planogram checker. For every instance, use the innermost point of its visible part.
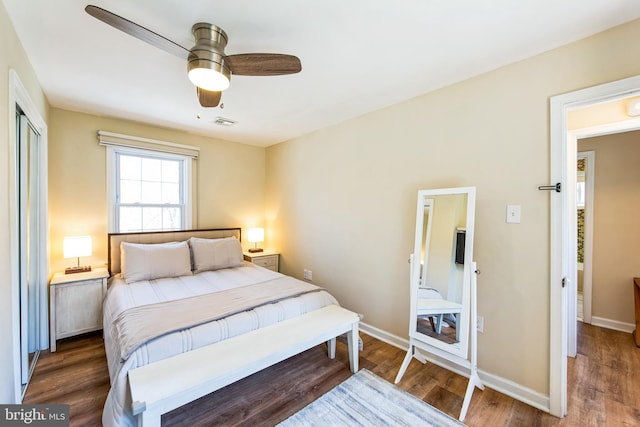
(121, 296)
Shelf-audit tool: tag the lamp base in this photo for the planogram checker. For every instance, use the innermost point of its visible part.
(72, 270)
(256, 250)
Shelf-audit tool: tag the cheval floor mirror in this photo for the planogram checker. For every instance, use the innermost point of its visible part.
(443, 285)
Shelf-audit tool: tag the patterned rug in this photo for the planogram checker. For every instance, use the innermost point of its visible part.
(367, 400)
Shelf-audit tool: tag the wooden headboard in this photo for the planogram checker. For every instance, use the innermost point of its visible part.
(162, 237)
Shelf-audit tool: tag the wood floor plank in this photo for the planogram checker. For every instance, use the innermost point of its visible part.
(275, 392)
(491, 408)
(618, 414)
(602, 390)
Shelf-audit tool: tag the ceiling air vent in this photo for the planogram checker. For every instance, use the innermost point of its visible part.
(221, 121)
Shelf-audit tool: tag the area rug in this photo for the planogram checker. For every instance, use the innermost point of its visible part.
(367, 400)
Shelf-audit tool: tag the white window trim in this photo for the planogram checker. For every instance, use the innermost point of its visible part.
(113, 150)
(110, 139)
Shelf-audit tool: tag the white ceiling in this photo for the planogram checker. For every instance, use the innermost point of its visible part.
(357, 55)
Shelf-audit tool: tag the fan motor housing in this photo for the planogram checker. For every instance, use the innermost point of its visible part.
(207, 56)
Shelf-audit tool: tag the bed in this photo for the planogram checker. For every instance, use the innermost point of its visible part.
(174, 292)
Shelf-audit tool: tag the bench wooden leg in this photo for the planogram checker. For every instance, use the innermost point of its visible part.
(149, 419)
(439, 324)
(352, 339)
(331, 348)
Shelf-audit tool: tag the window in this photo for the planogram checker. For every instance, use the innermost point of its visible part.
(148, 183)
(580, 190)
(149, 191)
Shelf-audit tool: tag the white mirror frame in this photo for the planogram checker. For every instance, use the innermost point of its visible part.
(463, 353)
(460, 348)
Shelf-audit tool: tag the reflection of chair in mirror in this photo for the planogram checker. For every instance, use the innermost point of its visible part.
(431, 304)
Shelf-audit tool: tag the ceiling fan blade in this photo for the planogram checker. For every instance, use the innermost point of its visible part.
(263, 64)
(208, 98)
(137, 31)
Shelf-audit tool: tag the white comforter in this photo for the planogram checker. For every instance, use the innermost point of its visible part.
(121, 296)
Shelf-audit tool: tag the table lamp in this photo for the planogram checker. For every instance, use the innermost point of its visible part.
(255, 235)
(75, 247)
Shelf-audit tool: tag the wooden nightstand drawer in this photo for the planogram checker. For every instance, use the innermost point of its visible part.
(270, 261)
(267, 260)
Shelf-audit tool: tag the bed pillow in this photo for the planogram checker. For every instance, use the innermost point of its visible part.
(154, 261)
(215, 254)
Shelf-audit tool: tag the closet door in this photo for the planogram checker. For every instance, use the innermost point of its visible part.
(29, 244)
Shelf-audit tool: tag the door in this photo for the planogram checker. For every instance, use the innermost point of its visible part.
(29, 211)
(28, 234)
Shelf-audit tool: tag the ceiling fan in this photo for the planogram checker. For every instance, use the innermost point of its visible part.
(208, 67)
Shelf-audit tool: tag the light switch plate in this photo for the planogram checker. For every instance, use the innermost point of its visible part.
(513, 214)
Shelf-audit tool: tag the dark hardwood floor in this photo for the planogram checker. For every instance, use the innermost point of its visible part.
(604, 389)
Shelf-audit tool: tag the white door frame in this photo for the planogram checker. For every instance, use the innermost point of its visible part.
(563, 244)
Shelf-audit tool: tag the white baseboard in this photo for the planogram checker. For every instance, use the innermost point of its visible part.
(384, 336)
(612, 324)
(495, 382)
(515, 390)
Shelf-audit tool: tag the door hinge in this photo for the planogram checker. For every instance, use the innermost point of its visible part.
(564, 282)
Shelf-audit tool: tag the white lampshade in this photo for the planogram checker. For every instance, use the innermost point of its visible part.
(255, 235)
(77, 246)
(212, 79)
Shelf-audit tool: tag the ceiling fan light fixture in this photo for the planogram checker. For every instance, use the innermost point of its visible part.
(206, 65)
(212, 76)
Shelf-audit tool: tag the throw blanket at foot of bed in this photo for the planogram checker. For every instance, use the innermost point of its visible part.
(138, 325)
(366, 400)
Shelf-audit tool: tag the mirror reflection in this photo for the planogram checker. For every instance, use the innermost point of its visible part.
(440, 300)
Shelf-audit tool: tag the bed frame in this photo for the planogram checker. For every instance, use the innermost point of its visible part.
(191, 375)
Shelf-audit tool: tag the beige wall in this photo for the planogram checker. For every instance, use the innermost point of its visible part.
(340, 201)
(12, 56)
(616, 258)
(229, 192)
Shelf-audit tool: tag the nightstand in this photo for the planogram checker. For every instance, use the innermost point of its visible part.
(267, 259)
(76, 303)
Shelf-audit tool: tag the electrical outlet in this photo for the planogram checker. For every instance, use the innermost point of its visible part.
(308, 274)
(480, 324)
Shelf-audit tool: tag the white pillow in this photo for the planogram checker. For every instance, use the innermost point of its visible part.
(215, 254)
(154, 261)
